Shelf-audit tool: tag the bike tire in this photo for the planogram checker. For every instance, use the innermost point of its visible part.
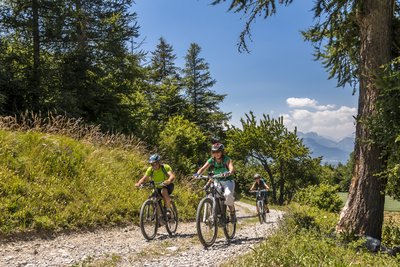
(264, 214)
(229, 228)
(172, 223)
(149, 219)
(206, 223)
(260, 211)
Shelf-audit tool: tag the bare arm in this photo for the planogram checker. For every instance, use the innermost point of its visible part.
(204, 168)
(171, 178)
(252, 187)
(230, 167)
(142, 180)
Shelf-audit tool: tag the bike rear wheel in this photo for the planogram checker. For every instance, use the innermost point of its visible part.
(206, 223)
(229, 228)
(149, 219)
(172, 222)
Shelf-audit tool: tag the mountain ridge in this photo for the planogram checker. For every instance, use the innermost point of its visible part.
(332, 152)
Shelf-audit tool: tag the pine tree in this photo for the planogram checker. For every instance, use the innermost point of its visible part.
(163, 62)
(163, 92)
(203, 102)
(70, 56)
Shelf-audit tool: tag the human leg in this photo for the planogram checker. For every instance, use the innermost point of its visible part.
(165, 192)
(229, 190)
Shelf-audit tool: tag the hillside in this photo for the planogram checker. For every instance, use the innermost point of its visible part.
(54, 182)
(331, 151)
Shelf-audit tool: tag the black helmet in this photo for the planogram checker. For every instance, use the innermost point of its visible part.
(217, 147)
(154, 158)
(256, 176)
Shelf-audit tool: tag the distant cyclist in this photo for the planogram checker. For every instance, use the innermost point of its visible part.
(160, 173)
(260, 184)
(222, 164)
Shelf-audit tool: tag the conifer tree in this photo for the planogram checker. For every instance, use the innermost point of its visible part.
(163, 62)
(70, 56)
(163, 92)
(202, 100)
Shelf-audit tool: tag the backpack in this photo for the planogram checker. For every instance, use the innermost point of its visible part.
(163, 170)
(212, 165)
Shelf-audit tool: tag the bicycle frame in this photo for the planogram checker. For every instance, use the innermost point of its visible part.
(156, 196)
(212, 213)
(260, 200)
(259, 196)
(159, 213)
(215, 193)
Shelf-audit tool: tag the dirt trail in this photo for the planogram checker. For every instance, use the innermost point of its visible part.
(127, 247)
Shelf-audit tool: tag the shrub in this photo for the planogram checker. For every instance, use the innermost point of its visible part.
(304, 239)
(391, 234)
(181, 141)
(323, 196)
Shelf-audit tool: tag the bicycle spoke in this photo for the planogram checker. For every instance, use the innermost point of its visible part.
(172, 221)
(148, 220)
(205, 222)
(229, 228)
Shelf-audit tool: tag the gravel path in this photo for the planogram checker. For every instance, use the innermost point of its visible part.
(127, 247)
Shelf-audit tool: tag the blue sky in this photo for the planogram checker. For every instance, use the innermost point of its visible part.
(279, 77)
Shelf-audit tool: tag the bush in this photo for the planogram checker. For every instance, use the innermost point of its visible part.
(391, 234)
(181, 141)
(305, 238)
(323, 196)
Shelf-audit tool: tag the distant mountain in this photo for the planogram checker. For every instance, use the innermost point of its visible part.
(331, 151)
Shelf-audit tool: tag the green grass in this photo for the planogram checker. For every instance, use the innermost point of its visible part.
(390, 204)
(53, 182)
(306, 238)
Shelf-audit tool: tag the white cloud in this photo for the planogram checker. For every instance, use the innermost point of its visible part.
(295, 102)
(326, 121)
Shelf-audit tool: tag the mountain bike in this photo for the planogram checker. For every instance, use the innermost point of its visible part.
(213, 213)
(260, 203)
(153, 213)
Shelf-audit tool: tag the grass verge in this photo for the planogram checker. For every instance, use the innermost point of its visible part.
(306, 238)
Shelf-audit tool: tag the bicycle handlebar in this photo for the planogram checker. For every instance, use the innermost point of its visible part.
(209, 176)
(151, 184)
(256, 191)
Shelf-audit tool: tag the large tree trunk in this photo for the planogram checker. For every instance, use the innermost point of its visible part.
(363, 212)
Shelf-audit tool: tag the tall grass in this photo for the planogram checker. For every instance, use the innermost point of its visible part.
(58, 173)
(71, 127)
(306, 238)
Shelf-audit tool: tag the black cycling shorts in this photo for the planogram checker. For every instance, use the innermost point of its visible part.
(169, 187)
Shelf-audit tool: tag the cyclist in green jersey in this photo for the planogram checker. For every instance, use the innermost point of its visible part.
(222, 164)
(160, 173)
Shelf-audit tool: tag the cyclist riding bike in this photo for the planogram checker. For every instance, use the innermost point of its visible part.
(160, 173)
(222, 164)
(260, 184)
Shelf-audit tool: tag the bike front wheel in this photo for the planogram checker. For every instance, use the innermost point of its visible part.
(206, 223)
(149, 219)
(229, 228)
(263, 214)
(172, 221)
(260, 208)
